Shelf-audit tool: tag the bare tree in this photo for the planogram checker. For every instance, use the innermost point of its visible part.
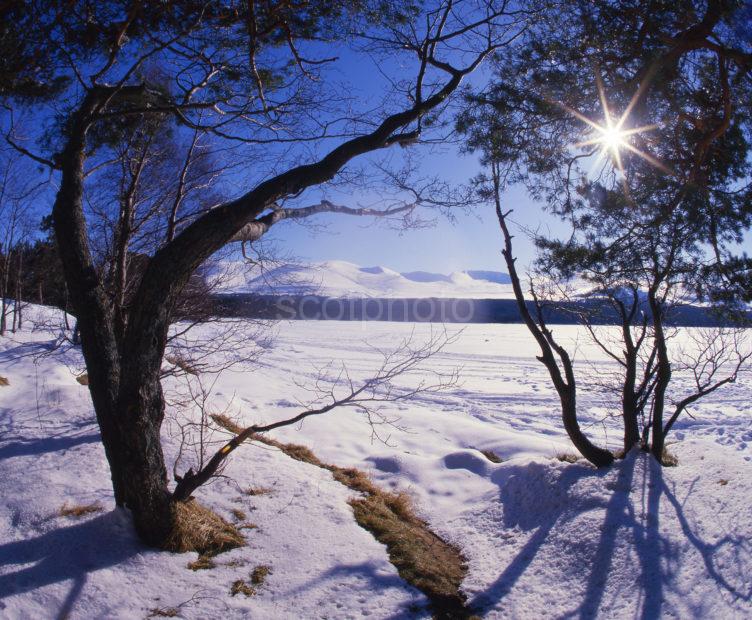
(246, 75)
(646, 364)
(331, 392)
(18, 191)
(554, 356)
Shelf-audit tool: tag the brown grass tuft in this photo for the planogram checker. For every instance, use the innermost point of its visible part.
(83, 379)
(196, 528)
(241, 587)
(163, 612)
(4, 381)
(204, 562)
(226, 423)
(567, 457)
(247, 526)
(79, 510)
(259, 574)
(254, 491)
(669, 459)
(298, 452)
(239, 514)
(491, 456)
(354, 479)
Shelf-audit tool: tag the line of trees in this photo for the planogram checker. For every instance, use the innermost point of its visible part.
(29, 266)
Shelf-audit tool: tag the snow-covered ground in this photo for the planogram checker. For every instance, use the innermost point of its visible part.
(543, 539)
(343, 279)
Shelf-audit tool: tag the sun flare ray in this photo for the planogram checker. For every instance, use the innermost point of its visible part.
(612, 135)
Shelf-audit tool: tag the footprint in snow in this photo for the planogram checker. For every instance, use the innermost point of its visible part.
(465, 459)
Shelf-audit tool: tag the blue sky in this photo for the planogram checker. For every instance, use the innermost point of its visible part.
(473, 241)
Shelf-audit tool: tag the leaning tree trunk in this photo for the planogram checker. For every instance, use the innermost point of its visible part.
(565, 386)
(567, 395)
(124, 368)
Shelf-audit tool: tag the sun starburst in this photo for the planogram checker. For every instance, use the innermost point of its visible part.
(613, 135)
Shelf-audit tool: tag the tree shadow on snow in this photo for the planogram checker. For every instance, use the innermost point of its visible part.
(67, 554)
(30, 349)
(536, 497)
(542, 498)
(730, 575)
(35, 446)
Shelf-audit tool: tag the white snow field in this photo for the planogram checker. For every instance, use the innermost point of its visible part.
(542, 538)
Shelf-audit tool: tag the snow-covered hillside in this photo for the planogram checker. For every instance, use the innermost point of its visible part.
(542, 538)
(344, 279)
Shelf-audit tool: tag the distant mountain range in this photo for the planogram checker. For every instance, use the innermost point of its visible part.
(348, 280)
(338, 290)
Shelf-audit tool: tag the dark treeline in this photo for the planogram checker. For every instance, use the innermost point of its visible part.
(321, 308)
(29, 272)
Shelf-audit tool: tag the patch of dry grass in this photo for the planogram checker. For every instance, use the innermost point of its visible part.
(196, 528)
(204, 562)
(260, 573)
(567, 457)
(241, 587)
(491, 456)
(79, 510)
(238, 514)
(163, 612)
(247, 526)
(4, 381)
(421, 557)
(354, 479)
(669, 459)
(294, 451)
(83, 379)
(258, 577)
(254, 491)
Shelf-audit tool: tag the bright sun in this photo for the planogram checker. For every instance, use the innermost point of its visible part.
(612, 137)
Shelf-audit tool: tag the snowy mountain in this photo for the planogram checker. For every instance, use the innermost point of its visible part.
(344, 279)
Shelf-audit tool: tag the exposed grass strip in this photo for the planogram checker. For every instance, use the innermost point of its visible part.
(422, 558)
